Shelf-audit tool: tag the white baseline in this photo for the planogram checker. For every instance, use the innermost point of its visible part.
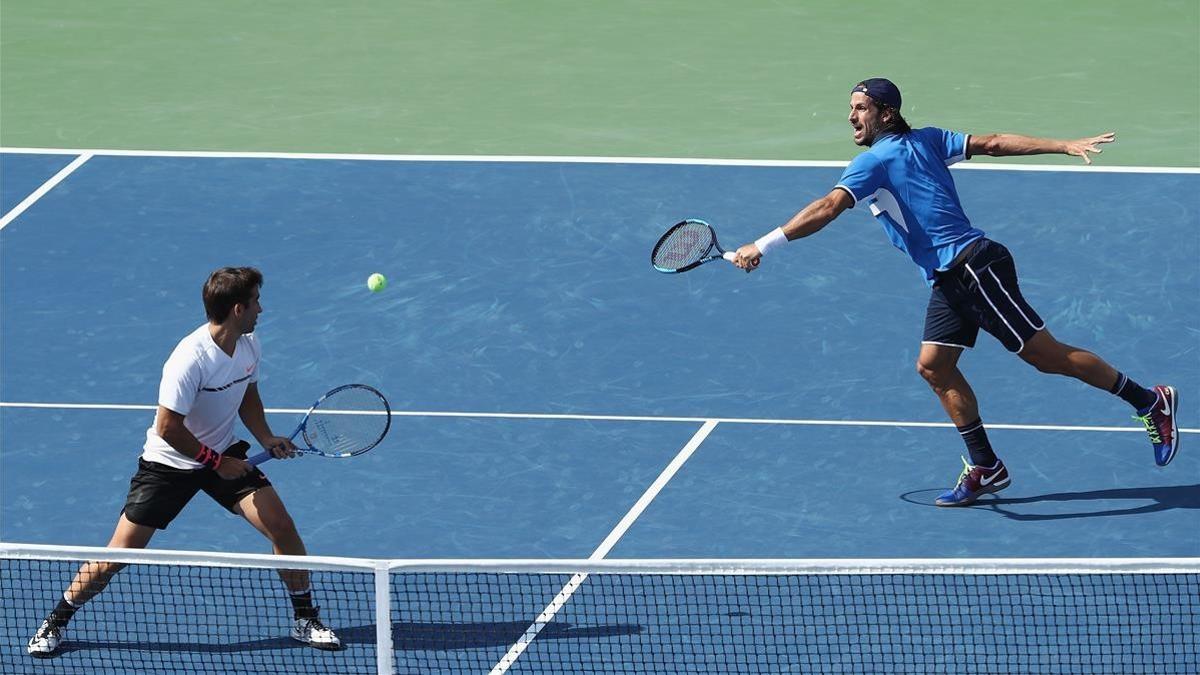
(572, 159)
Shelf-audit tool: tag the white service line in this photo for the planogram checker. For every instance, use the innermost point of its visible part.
(46, 187)
(576, 159)
(634, 418)
(547, 614)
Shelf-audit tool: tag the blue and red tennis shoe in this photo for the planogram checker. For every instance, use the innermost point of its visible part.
(973, 483)
(1161, 425)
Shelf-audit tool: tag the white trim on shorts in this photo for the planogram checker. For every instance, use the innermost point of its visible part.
(1014, 302)
(943, 344)
(997, 309)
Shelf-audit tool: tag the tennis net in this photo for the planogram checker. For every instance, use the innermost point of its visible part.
(172, 611)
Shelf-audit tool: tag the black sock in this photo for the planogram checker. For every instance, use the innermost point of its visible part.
(975, 436)
(1133, 393)
(61, 615)
(302, 605)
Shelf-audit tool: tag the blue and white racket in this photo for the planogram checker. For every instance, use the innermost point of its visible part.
(347, 421)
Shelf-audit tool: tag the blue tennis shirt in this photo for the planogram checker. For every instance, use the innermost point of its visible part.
(905, 181)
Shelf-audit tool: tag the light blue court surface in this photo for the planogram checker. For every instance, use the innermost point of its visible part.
(521, 301)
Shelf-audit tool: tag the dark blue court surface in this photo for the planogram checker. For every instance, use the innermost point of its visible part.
(526, 288)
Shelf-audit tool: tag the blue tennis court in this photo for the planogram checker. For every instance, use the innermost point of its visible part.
(544, 376)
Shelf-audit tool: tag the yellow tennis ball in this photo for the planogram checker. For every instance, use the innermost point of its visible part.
(376, 282)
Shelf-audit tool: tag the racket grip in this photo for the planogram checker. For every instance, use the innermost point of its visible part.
(729, 255)
(259, 458)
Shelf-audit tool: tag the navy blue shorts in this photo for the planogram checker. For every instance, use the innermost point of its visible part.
(980, 292)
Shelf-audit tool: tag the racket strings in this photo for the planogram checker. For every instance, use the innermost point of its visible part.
(685, 244)
(348, 422)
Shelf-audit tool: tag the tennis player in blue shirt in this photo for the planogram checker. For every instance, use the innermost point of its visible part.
(904, 179)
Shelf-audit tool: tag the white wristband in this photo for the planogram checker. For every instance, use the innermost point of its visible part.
(771, 240)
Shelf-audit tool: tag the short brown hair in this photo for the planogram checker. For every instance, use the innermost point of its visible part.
(227, 287)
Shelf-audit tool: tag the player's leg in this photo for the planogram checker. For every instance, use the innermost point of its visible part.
(1005, 314)
(93, 577)
(938, 365)
(266, 512)
(948, 331)
(157, 494)
(985, 473)
(89, 580)
(1155, 408)
(1044, 352)
(255, 499)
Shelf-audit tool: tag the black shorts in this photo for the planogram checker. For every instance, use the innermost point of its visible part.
(157, 492)
(980, 292)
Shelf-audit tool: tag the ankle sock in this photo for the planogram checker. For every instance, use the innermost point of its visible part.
(975, 436)
(1141, 398)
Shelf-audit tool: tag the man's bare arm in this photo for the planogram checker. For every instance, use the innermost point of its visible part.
(1006, 145)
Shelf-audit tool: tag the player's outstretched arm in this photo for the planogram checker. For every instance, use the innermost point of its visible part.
(808, 221)
(1006, 145)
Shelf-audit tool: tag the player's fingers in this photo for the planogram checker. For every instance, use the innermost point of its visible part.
(236, 468)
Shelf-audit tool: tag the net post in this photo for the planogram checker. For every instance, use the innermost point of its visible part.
(383, 618)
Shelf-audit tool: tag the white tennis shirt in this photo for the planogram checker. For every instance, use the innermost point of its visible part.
(206, 386)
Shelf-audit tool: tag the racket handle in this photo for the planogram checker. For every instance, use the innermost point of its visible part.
(259, 458)
(729, 255)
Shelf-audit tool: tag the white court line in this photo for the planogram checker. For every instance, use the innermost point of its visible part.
(46, 187)
(633, 418)
(574, 159)
(547, 614)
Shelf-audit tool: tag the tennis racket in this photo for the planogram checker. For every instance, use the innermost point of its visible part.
(347, 421)
(687, 245)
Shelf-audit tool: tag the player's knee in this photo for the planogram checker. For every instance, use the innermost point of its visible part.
(280, 526)
(929, 371)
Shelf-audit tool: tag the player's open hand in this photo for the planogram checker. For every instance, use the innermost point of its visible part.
(747, 257)
(1083, 146)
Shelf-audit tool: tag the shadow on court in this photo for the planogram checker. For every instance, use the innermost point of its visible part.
(405, 636)
(1162, 499)
(273, 644)
(439, 636)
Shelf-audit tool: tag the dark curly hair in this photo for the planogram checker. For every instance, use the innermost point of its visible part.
(896, 124)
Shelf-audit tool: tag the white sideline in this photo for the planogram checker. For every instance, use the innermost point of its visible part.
(547, 614)
(41, 191)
